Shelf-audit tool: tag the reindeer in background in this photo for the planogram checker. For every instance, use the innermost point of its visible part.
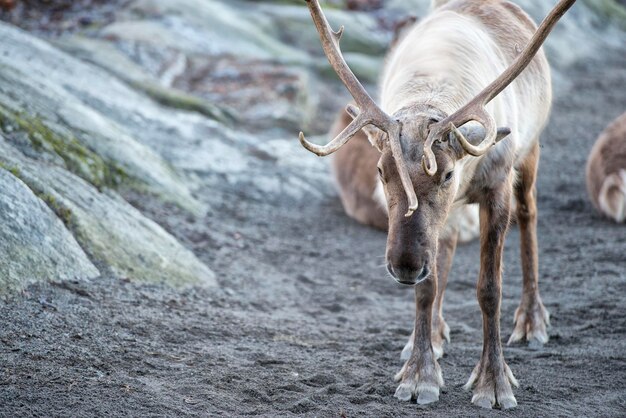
(606, 171)
(436, 132)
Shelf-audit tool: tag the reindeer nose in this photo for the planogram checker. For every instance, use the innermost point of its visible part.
(408, 275)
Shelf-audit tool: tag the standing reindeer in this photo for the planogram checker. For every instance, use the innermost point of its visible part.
(432, 94)
(606, 171)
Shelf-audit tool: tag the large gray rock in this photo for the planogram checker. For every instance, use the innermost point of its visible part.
(116, 236)
(75, 135)
(35, 245)
(73, 106)
(160, 44)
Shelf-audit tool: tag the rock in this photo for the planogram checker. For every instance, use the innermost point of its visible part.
(250, 57)
(205, 27)
(35, 245)
(293, 25)
(77, 135)
(588, 25)
(117, 237)
(85, 111)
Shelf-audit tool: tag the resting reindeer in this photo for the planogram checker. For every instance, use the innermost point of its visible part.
(433, 84)
(606, 171)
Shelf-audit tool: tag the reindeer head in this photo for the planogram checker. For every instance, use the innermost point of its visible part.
(412, 240)
(419, 134)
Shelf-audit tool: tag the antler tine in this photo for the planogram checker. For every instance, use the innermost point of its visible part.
(330, 44)
(475, 109)
(323, 150)
(369, 112)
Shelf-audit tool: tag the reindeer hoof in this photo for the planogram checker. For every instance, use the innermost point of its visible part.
(491, 387)
(425, 393)
(428, 395)
(508, 403)
(404, 392)
(531, 322)
(535, 344)
(419, 378)
(482, 402)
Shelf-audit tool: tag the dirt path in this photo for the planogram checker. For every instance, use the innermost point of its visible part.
(306, 321)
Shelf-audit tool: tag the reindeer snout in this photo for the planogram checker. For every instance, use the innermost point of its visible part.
(408, 274)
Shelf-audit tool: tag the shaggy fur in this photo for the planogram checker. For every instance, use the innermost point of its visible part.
(606, 171)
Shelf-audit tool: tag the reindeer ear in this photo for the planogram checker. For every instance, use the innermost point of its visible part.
(502, 133)
(476, 133)
(376, 137)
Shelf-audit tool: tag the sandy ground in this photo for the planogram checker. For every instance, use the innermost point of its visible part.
(306, 322)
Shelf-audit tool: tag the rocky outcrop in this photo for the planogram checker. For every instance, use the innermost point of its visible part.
(115, 236)
(189, 102)
(76, 135)
(35, 244)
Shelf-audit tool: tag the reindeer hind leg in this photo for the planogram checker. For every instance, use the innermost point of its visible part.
(531, 317)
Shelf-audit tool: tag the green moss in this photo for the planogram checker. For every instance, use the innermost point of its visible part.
(77, 157)
(180, 100)
(64, 213)
(13, 169)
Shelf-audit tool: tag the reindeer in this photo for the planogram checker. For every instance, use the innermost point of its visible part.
(435, 108)
(606, 171)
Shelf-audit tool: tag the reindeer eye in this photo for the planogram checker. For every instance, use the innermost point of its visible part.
(447, 177)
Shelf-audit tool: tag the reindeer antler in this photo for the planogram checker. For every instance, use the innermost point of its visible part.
(369, 113)
(475, 109)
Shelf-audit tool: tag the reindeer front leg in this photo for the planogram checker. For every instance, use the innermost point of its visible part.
(440, 331)
(492, 377)
(421, 374)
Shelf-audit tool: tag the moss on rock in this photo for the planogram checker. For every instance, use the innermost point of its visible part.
(180, 100)
(77, 157)
(63, 212)
(13, 169)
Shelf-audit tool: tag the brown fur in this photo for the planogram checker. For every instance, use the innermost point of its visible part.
(418, 252)
(606, 171)
(354, 166)
(531, 317)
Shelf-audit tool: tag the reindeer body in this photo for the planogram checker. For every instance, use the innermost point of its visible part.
(439, 66)
(446, 59)
(467, 68)
(606, 171)
(354, 167)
